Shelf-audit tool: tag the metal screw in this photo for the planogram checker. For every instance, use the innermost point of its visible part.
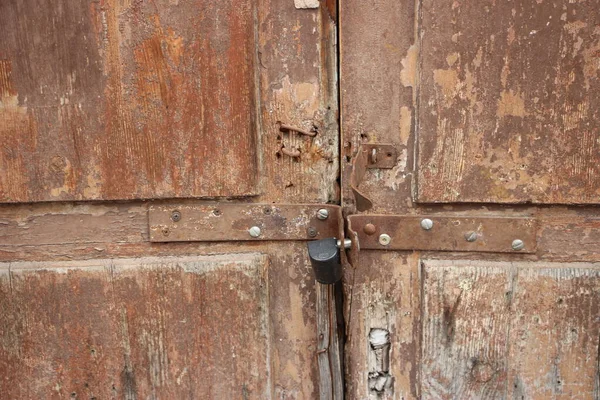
(312, 232)
(165, 231)
(384, 239)
(323, 214)
(369, 229)
(176, 216)
(518, 244)
(471, 236)
(254, 231)
(426, 224)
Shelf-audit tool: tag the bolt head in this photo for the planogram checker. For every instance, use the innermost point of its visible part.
(176, 216)
(426, 224)
(384, 239)
(254, 231)
(369, 229)
(518, 244)
(323, 214)
(471, 236)
(312, 232)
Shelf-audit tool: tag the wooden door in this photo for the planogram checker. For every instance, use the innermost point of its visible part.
(105, 108)
(493, 110)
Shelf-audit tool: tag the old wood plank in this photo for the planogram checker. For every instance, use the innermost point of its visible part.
(377, 76)
(329, 356)
(298, 87)
(385, 298)
(137, 328)
(465, 323)
(121, 100)
(555, 333)
(507, 105)
(504, 330)
(291, 307)
(324, 329)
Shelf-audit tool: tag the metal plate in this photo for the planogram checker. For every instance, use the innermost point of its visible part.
(490, 234)
(225, 222)
(380, 155)
(370, 155)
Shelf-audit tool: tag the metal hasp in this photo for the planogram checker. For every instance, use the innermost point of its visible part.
(370, 155)
(324, 257)
(445, 233)
(214, 222)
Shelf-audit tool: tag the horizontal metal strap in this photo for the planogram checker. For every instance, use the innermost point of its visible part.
(206, 222)
(445, 233)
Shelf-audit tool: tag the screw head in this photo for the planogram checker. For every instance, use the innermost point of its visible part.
(176, 216)
(471, 236)
(254, 231)
(369, 229)
(426, 224)
(312, 232)
(384, 239)
(518, 244)
(323, 214)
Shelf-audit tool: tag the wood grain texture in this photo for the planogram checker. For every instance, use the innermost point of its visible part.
(194, 327)
(128, 100)
(385, 295)
(507, 103)
(120, 100)
(298, 87)
(510, 330)
(291, 312)
(376, 81)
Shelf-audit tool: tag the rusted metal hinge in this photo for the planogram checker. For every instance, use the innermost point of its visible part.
(209, 222)
(444, 233)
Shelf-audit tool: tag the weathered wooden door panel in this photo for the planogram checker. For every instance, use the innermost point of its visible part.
(120, 100)
(128, 100)
(171, 327)
(508, 101)
(484, 102)
(520, 330)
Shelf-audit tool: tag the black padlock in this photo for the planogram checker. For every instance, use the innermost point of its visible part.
(325, 259)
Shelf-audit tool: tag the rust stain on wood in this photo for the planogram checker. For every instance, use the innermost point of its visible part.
(135, 100)
(507, 103)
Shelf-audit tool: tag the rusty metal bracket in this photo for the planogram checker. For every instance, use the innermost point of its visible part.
(444, 233)
(370, 155)
(242, 222)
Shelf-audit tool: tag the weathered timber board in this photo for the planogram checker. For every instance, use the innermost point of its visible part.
(510, 330)
(385, 294)
(176, 327)
(508, 103)
(120, 100)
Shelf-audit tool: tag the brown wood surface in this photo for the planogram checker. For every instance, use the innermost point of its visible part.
(526, 330)
(174, 327)
(80, 307)
(508, 103)
(385, 295)
(381, 83)
(117, 100)
(125, 100)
